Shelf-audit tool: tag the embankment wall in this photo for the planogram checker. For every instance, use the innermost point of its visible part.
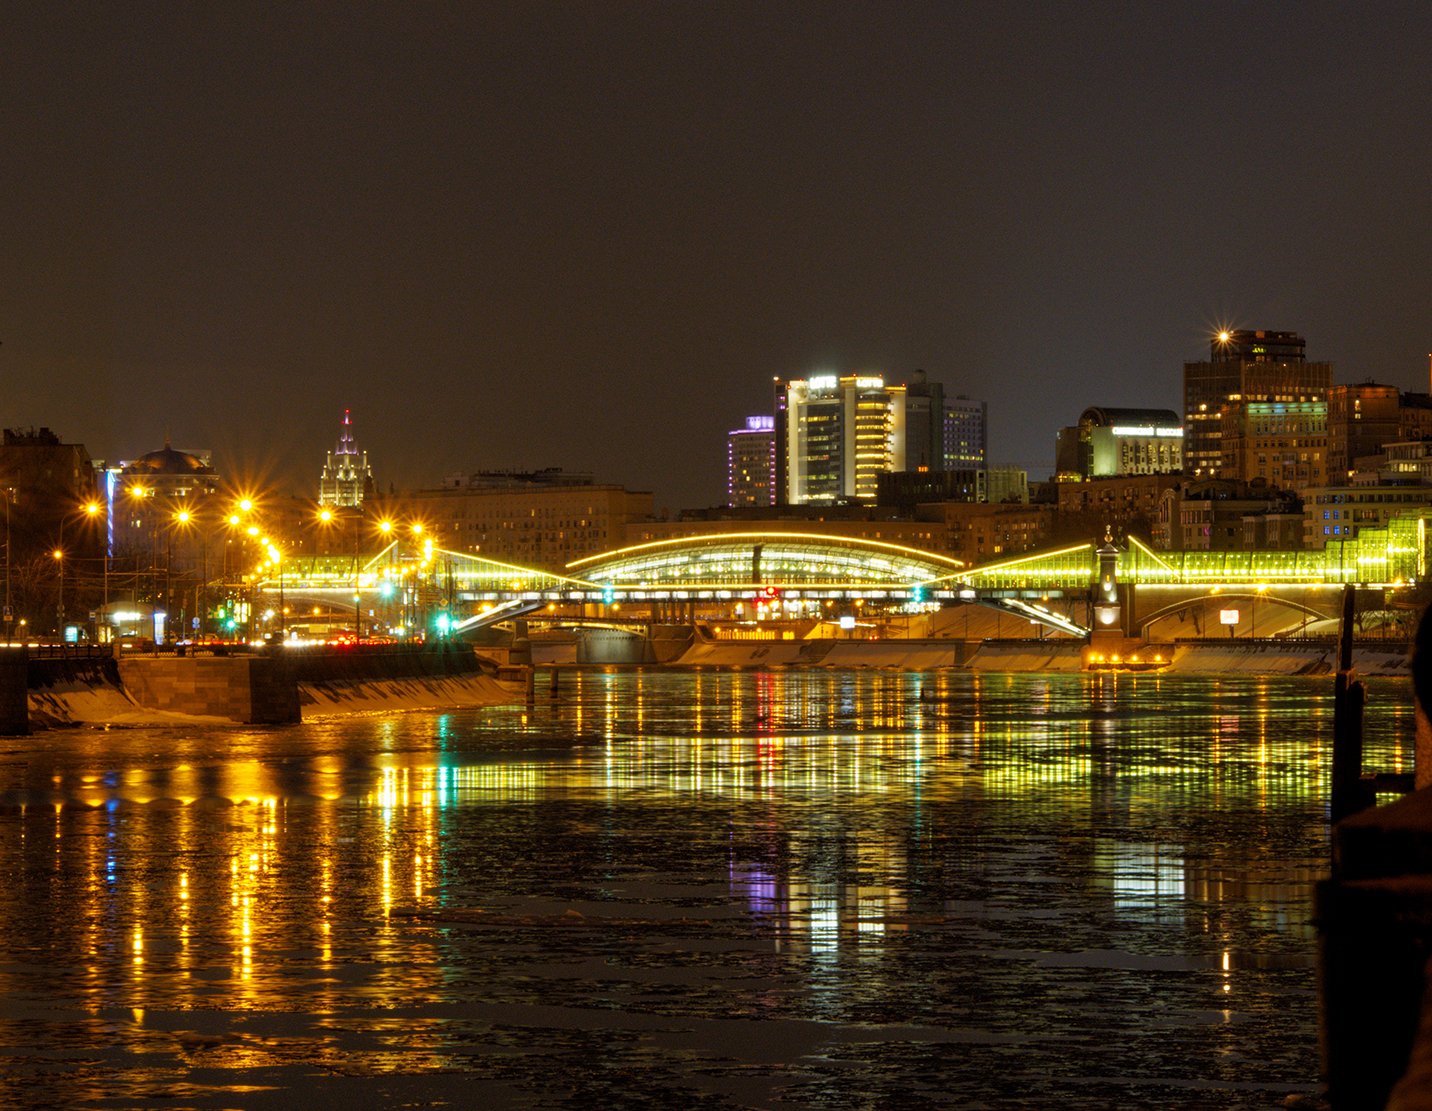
(262, 688)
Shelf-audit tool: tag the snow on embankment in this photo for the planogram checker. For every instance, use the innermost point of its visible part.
(1278, 659)
(346, 696)
(88, 691)
(1025, 655)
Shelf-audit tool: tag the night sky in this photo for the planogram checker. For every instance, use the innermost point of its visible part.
(588, 235)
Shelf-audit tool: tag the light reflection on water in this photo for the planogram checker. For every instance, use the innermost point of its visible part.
(731, 887)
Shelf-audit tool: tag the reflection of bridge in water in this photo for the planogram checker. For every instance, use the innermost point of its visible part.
(776, 575)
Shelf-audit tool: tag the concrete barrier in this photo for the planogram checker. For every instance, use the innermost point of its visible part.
(14, 692)
(257, 690)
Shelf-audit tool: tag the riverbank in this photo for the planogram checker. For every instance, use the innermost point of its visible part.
(1054, 655)
(262, 688)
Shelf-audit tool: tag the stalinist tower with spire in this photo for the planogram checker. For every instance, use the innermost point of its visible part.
(347, 478)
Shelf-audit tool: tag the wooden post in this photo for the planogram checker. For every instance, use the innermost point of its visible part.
(530, 684)
(552, 682)
(1349, 793)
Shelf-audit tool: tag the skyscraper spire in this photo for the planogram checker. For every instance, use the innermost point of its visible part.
(347, 479)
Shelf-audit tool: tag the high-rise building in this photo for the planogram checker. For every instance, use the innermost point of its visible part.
(836, 435)
(966, 436)
(1361, 419)
(1282, 442)
(751, 463)
(1243, 366)
(924, 424)
(347, 479)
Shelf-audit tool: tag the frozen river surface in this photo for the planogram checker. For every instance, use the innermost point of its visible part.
(704, 890)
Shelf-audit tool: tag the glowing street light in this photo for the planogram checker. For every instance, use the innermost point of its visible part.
(59, 555)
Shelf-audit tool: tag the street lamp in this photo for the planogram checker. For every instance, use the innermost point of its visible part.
(139, 493)
(276, 557)
(326, 516)
(59, 555)
(9, 612)
(92, 511)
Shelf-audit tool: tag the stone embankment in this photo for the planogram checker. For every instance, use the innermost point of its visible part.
(269, 687)
(1249, 658)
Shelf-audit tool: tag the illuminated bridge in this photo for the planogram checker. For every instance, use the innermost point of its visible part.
(670, 578)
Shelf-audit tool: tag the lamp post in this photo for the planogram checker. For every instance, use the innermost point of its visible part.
(59, 554)
(186, 519)
(386, 528)
(92, 511)
(276, 558)
(9, 611)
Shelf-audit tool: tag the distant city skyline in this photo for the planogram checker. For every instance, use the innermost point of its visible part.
(531, 236)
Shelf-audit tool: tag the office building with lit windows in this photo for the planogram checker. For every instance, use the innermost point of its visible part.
(836, 435)
(751, 463)
(1108, 442)
(1243, 366)
(542, 519)
(1361, 419)
(966, 434)
(1284, 443)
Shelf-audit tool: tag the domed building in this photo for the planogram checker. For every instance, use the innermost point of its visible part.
(159, 518)
(168, 473)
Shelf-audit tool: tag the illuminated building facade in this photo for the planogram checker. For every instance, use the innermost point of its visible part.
(1108, 442)
(144, 495)
(1243, 365)
(978, 532)
(1125, 504)
(1228, 515)
(1342, 512)
(1361, 419)
(1284, 443)
(751, 463)
(346, 479)
(544, 523)
(837, 433)
(1406, 463)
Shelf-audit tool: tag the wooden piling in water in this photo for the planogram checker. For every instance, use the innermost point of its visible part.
(1349, 793)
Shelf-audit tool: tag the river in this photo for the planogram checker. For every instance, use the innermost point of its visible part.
(795, 889)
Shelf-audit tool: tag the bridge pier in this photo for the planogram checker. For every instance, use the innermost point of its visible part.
(14, 692)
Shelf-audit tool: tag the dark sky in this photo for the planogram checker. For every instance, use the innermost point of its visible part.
(588, 235)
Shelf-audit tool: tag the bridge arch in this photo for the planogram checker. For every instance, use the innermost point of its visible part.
(758, 560)
(1203, 602)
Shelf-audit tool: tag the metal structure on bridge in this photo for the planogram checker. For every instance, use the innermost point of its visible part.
(808, 568)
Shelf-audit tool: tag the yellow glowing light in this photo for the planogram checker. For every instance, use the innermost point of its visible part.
(183, 516)
(1224, 337)
(325, 515)
(385, 526)
(92, 508)
(246, 505)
